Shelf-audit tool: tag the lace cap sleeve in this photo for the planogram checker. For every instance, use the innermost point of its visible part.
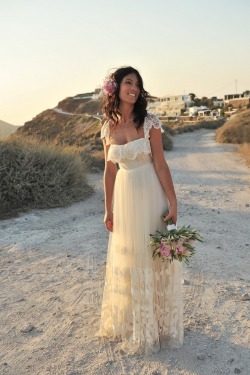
(152, 121)
(105, 132)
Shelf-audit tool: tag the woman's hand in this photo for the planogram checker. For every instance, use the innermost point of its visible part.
(172, 213)
(108, 221)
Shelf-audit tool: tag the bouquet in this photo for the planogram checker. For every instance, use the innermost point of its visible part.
(174, 243)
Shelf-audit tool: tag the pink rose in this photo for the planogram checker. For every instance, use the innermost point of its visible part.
(165, 250)
(181, 249)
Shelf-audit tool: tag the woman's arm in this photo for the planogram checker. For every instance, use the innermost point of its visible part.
(108, 182)
(163, 172)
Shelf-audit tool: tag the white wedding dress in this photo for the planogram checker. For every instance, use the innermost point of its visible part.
(142, 298)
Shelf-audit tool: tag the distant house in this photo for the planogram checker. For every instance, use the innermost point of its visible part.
(97, 94)
(209, 114)
(193, 111)
(218, 102)
(171, 106)
(232, 96)
(90, 95)
(238, 101)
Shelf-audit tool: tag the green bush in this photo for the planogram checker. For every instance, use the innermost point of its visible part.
(167, 142)
(39, 175)
(212, 124)
(168, 129)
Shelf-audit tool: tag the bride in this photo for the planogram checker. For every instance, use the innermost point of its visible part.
(142, 298)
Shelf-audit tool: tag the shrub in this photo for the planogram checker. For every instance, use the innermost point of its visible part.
(235, 130)
(95, 161)
(39, 175)
(215, 124)
(167, 142)
(167, 129)
(244, 150)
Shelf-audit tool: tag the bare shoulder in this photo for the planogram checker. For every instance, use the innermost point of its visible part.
(105, 132)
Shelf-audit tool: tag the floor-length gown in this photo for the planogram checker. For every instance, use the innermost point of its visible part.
(142, 298)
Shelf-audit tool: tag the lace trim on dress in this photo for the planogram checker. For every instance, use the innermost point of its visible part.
(151, 120)
(105, 132)
(129, 151)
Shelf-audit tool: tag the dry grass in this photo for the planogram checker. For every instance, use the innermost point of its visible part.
(173, 128)
(235, 130)
(244, 150)
(39, 175)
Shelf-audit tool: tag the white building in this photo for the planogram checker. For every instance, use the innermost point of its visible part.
(218, 102)
(170, 105)
(193, 111)
(90, 95)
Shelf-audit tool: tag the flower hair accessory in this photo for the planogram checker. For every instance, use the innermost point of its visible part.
(109, 86)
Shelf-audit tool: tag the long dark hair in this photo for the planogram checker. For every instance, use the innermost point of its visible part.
(111, 106)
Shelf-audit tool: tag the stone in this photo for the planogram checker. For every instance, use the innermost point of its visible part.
(237, 370)
(201, 357)
(27, 329)
(186, 282)
(79, 269)
(245, 297)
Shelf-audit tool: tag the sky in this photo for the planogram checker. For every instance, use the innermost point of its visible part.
(53, 49)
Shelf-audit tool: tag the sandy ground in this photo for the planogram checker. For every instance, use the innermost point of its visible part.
(52, 273)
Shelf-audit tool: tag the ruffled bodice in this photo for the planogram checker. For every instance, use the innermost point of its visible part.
(134, 149)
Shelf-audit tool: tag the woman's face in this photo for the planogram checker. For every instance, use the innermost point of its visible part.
(129, 89)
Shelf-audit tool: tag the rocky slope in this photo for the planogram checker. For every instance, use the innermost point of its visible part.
(71, 123)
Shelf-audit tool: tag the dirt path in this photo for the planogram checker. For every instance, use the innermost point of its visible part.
(52, 265)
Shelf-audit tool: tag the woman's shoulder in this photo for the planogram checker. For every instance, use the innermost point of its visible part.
(105, 130)
(152, 120)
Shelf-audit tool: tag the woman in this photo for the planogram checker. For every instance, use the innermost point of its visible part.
(142, 302)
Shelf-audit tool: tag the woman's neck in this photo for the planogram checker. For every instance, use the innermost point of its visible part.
(126, 111)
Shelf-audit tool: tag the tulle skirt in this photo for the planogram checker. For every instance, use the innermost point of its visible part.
(142, 298)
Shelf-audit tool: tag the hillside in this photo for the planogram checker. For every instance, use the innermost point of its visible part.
(63, 129)
(79, 105)
(71, 123)
(6, 129)
(235, 130)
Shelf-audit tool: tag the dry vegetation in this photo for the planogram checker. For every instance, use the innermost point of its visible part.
(39, 175)
(173, 128)
(61, 129)
(237, 130)
(244, 150)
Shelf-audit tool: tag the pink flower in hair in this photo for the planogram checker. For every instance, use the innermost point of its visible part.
(109, 86)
